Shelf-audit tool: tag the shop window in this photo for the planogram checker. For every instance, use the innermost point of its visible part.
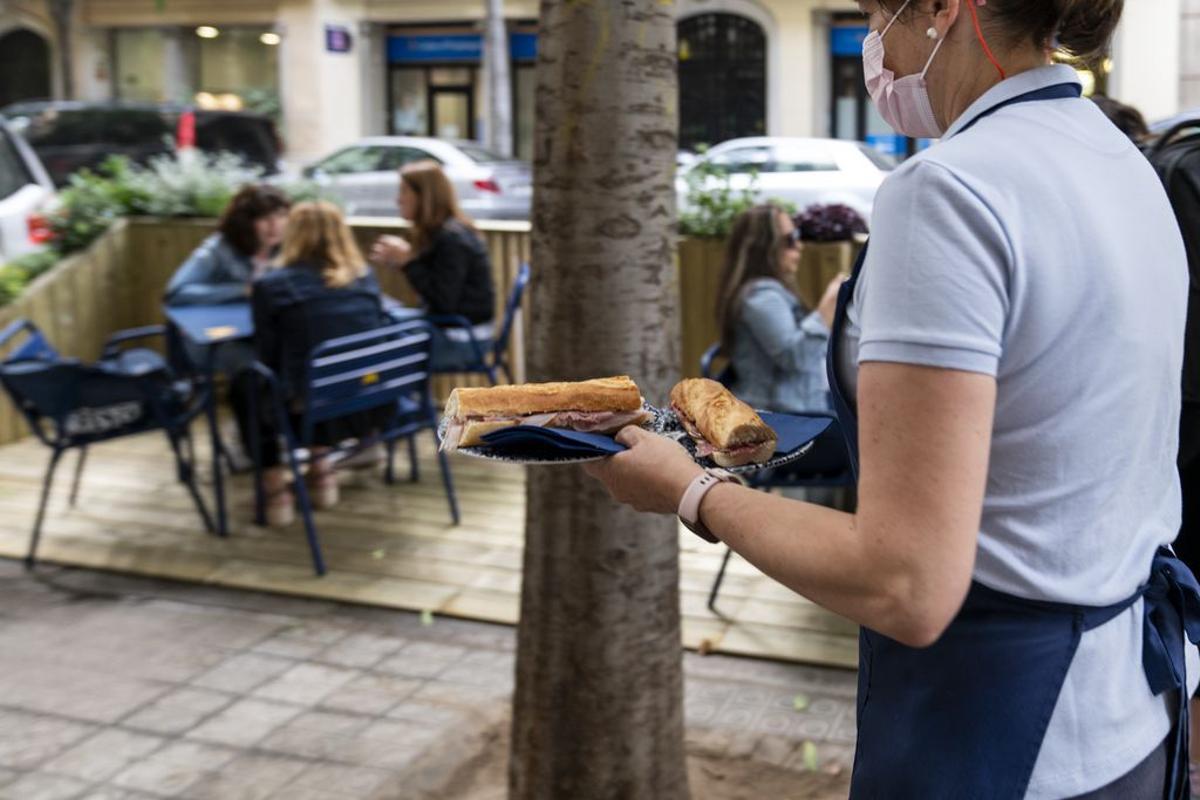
(24, 67)
(410, 103)
(141, 71)
(722, 79)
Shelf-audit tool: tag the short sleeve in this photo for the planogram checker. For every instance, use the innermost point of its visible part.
(935, 283)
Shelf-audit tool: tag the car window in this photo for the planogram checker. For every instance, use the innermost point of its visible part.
(353, 160)
(480, 155)
(802, 159)
(397, 157)
(248, 138)
(881, 160)
(120, 127)
(14, 174)
(742, 160)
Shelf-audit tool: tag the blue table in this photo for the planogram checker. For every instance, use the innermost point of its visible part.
(209, 327)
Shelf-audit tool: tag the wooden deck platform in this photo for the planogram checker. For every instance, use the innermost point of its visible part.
(386, 546)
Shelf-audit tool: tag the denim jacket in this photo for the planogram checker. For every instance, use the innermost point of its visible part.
(778, 351)
(294, 311)
(214, 273)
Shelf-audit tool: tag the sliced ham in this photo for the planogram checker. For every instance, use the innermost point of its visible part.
(584, 421)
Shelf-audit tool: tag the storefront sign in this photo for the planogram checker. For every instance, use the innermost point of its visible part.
(338, 39)
(847, 41)
(454, 47)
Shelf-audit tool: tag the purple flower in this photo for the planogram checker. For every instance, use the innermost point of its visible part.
(829, 223)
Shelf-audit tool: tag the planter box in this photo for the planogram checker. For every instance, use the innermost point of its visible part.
(821, 262)
(700, 263)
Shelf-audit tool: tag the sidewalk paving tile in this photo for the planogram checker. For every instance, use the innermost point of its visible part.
(27, 740)
(245, 723)
(97, 759)
(306, 684)
(170, 771)
(38, 786)
(248, 777)
(361, 650)
(371, 694)
(178, 711)
(243, 672)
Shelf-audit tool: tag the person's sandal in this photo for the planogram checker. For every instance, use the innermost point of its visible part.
(322, 484)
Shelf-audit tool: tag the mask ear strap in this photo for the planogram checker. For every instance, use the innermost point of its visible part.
(987, 51)
(895, 17)
(936, 47)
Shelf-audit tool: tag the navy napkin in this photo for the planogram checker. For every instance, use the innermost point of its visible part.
(530, 442)
(794, 431)
(544, 444)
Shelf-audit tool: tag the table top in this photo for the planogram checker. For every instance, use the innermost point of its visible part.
(207, 325)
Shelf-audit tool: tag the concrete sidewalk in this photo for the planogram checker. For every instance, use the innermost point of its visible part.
(115, 687)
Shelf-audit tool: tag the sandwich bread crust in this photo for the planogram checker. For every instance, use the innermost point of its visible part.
(617, 393)
(721, 419)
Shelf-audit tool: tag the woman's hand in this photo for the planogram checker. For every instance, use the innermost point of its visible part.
(651, 475)
(828, 305)
(390, 251)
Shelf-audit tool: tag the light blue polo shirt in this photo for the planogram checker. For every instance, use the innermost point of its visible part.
(1038, 247)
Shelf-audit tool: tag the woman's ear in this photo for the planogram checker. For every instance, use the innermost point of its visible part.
(945, 13)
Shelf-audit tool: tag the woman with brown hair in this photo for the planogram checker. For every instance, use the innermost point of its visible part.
(322, 291)
(1005, 364)
(446, 262)
(775, 346)
(248, 235)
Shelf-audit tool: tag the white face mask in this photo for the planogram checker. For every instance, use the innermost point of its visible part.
(904, 103)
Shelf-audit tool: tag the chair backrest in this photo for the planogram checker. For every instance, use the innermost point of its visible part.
(35, 346)
(366, 370)
(725, 377)
(511, 309)
(84, 402)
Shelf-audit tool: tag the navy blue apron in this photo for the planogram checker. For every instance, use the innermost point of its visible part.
(966, 717)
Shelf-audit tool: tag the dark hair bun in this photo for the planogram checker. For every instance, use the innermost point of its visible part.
(1084, 27)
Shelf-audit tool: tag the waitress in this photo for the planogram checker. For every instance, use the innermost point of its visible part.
(1006, 362)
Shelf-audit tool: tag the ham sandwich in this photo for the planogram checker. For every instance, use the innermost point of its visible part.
(603, 405)
(724, 428)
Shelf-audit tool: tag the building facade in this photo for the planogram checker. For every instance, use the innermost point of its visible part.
(335, 70)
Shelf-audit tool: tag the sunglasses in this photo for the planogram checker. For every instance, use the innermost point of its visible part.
(791, 239)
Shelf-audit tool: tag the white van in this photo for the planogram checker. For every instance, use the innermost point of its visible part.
(25, 191)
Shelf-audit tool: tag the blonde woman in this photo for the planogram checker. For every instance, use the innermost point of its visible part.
(323, 290)
(446, 262)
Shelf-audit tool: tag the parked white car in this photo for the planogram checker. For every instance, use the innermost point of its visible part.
(364, 177)
(25, 192)
(799, 171)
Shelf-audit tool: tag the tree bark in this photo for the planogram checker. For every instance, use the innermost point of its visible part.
(499, 80)
(598, 701)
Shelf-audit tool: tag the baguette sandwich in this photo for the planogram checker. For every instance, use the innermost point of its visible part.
(723, 427)
(603, 405)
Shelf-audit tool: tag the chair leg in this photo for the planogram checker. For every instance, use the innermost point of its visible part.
(255, 435)
(188, 476)
(31, 556)
(716, 587)
(507, 373)
(389, 473)
(414, 471)
(447, 480)
(491, 373)
(306, 511)
(78, 475)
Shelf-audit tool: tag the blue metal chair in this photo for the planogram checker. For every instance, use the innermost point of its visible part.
(826, 465)
(493, 355)
(383, 367)
(69, 404)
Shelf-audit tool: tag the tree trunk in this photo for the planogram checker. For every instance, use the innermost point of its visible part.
(598, 701)
(499, 80)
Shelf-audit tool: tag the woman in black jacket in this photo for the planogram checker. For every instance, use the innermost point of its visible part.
(446, 263)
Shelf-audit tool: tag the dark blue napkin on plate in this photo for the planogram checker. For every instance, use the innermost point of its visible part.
(794, 431)
(536, 443)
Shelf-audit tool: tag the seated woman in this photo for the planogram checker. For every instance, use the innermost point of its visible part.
(220, 271)
(775, 345)
(221, 268)
(323, 290)
(446, 264)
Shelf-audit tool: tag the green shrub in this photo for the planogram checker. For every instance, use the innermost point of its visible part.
(712, 204)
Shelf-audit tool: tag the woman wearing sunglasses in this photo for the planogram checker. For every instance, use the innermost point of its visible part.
(775, 346)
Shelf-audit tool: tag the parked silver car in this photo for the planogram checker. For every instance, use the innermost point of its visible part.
(363, 176)
(25, 192)
(799, 171)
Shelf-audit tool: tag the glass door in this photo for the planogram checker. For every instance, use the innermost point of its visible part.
(452, 113)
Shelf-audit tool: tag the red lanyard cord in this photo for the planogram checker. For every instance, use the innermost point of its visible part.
(979, 33)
